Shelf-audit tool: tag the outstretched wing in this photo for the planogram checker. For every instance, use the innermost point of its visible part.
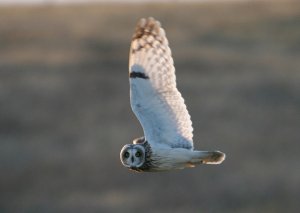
(154, 97)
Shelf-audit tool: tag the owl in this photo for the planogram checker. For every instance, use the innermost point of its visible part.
(159, 107)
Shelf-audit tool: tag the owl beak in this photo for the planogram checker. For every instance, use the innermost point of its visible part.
(132, 159)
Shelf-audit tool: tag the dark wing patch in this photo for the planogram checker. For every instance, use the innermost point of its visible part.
(138, 75)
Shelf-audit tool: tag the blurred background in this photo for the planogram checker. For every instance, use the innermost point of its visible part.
(65, 112)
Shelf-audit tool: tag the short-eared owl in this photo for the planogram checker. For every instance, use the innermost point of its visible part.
(160, 108)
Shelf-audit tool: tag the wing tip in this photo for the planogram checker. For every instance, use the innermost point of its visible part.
(146, 26)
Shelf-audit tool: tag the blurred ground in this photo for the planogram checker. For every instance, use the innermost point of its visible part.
(65, 113)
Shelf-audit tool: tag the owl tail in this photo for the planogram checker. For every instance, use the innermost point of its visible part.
(208, 157)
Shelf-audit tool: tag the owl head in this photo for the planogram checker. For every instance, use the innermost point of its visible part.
(132, 156)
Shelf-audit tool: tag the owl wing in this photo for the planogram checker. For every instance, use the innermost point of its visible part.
(154, 98)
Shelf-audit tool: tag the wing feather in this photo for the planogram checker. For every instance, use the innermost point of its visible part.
(154, 97)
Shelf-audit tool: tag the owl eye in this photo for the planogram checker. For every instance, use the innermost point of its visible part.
(138, 154)
(126, 154)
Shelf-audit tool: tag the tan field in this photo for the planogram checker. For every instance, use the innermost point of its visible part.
(65, 112)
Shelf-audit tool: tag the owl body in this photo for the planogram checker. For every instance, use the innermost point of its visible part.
(166, 158)
(160, 108)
